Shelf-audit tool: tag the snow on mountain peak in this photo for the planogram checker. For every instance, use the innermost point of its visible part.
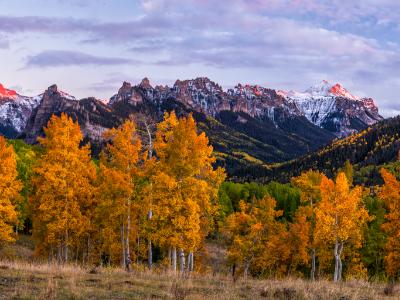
(320, 89)
(326, 89)
(53, 89)
(6, 93)
(338, 90)
(67, 96)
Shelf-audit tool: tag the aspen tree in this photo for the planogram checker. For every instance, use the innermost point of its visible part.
(9, 191)
(62, 189)
(185, 186)
(340, 217)
(118, 182)
(309, 184)
(253, 233)
(390, 194)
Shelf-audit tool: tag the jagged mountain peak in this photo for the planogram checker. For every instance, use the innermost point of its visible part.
(326, 89)
(251, 91)
(53, 89)
(199, 83)
(7, 93)
(145, 83)
(340, 91)
(329, 106)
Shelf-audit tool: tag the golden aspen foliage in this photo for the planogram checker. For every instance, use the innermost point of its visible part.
(253, 236)
(299, 236)
(184, 183)
(62, 191)
(309, 184)
(340, 218)
(348, 171)
(9, 191)
(118, 207)
(390, 194)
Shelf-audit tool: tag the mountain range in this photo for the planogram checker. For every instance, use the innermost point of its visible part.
(247, 125)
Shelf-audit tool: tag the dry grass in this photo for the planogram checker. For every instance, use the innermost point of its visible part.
(23, 280)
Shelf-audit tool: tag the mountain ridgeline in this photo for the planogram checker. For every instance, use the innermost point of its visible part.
(248, 126)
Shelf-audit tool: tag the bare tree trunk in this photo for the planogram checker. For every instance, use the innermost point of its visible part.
(170, 256)
(313, 264)
(181, 261)
(128, 231)
(59, 253)
(150, 214)
(190, 262)
(138, 244)
(147, 125)
(338, 261)
(150, 255)
(123, 245)
(66, 247)
(174, 259)
(149, 246)
(88, 250)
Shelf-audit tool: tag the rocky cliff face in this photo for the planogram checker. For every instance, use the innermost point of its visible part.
(333, 108)
(245, 124)
(15, 111)
(327, 106)
(93, 115)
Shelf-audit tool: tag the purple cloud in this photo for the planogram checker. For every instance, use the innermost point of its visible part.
(55, 58)
(293, 42)
(4, 43)
(95, 30)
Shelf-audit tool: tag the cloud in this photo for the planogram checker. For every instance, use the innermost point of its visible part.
(4, 43)
(94, 30)
(56, 58)
(297, 40)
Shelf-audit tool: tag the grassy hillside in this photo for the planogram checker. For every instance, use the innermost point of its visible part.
(23, 277)
(21, 280)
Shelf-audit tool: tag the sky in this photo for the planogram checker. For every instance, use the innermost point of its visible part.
(88, 48)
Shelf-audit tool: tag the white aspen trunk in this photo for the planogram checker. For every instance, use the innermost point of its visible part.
(174, 259)
(88, 250)
(313, 264)
(313, 251)
(59, 253)
(150, 139)
(138, 244)
(66, 247)
(170, 256)
(340, 261)
(181, 261)
(150, 255)
(150, 214)
(149, 246)
(336, 250)
(123, 246)
(128, 231)
(190, 262)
